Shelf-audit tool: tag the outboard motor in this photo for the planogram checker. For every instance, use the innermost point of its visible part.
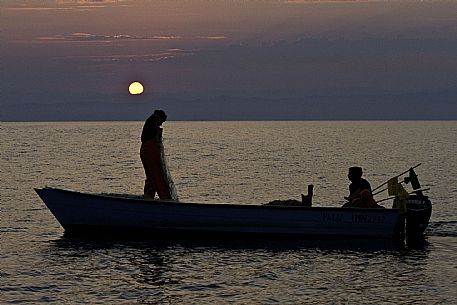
(418, 208)
(418, 213)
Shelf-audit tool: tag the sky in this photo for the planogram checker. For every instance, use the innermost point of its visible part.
(228, 60)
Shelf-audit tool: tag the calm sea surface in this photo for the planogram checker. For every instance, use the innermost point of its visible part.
(242, 162)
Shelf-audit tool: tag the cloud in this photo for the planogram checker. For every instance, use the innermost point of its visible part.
(130, 58)
(330, 1)
(58, 5)
(38, 8)
(84, 2)
(87, 37)
(213, 37)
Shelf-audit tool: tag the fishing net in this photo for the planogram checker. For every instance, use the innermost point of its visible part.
(166, 175)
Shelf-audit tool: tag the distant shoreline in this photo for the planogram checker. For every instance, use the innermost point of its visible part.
(235, 120)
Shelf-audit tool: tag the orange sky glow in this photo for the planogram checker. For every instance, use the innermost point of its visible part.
(201, 50)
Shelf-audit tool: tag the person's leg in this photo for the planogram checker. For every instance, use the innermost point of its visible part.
(149, 190)
(148, 165)
(367, 199)
(155, 175)
(162, 188)
(357, 203)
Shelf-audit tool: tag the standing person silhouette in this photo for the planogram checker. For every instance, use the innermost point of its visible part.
(152, 157)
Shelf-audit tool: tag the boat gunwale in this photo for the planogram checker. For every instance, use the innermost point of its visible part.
(214, 205)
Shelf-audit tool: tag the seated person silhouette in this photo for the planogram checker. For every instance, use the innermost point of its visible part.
(360, 195)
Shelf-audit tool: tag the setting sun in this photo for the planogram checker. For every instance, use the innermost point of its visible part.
(136, 88)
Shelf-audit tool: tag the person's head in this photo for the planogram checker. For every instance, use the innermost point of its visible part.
(161, 115)
(355, 173)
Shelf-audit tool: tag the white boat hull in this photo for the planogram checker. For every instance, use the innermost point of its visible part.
(81, 212)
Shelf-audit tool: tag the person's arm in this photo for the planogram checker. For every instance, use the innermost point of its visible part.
(159, 134)
(354, 191)
(351, 192)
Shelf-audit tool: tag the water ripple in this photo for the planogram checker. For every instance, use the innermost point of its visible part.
(244, 162)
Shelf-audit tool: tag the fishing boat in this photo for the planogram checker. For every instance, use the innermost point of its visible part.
(87, 213)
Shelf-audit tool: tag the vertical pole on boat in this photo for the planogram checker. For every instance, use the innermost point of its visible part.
(307, 200)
